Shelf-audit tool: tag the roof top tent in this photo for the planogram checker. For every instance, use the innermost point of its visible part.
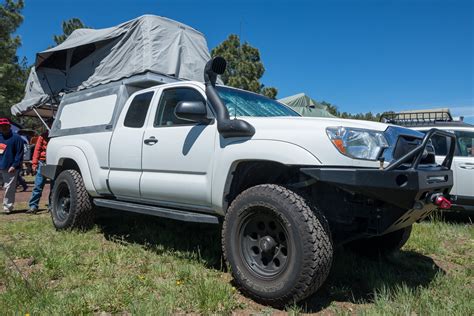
(306, 106)
(146, 51)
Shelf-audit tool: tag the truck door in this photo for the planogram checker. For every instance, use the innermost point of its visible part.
(177, 154)
(125, 153)
(464, 165)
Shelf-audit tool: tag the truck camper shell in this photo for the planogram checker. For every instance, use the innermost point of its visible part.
(96, 109)
(150, 46)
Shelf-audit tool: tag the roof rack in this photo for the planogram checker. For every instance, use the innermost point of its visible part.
(418, 118)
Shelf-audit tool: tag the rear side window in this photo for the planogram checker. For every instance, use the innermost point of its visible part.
(87, 113)
(138, 109)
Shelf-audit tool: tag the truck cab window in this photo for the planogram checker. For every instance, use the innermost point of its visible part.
(138, 109)
(465, 142)
(169, 99)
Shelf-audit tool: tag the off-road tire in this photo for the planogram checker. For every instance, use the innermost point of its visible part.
(79, 215)
(310, 255)
(381, 245)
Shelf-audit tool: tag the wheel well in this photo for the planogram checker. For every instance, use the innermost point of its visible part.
(251, 173)
(68, 163)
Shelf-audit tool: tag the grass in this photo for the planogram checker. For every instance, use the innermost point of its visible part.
(143, 265)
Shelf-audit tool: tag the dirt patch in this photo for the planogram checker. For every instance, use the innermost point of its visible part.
(25, 266)
(24, 196)
(460, 250)
(21, 203)
(347, 307)
(251, 307)
(448, 267)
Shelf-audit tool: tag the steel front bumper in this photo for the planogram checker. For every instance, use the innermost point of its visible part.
(407, 194)
(406, 188)
(400, 188)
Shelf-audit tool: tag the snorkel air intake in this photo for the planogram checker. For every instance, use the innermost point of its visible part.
(226, 127)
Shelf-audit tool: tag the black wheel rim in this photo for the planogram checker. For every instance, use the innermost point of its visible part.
(63, 202)
(264, 243)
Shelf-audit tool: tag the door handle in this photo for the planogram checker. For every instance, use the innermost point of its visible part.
(151, 141)
(468, 166)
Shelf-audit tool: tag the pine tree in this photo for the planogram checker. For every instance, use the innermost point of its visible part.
(13, 73)
(68, 27)
(244, 66)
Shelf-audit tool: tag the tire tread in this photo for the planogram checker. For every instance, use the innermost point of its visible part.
(82, 217)
(317, 245)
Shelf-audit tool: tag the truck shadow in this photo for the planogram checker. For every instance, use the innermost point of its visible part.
(185, 240)
(354, 279)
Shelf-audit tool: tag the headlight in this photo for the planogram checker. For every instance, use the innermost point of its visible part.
(357, 143)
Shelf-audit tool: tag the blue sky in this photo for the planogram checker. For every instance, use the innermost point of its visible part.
(364, 55)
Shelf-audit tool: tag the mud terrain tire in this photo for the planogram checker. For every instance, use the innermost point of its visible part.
(279, 248)
(71, 204)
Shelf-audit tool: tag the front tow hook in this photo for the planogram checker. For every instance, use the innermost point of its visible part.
(440, 201)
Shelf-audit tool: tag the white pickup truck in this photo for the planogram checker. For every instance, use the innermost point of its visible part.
(462, 193)
(286, 189)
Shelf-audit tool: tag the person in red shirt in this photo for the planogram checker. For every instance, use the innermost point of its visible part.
(38, 160)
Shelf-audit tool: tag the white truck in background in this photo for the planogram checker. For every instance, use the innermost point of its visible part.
(462, 193)
(287, 189)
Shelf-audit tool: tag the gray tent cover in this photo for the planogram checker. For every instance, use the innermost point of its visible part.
(306, 106)
(88, 58)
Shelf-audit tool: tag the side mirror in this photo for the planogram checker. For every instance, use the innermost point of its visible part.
(194, 111)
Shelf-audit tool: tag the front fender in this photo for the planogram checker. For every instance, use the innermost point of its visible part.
(228, 156)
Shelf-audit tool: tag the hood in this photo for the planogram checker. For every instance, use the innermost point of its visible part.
(310, 134)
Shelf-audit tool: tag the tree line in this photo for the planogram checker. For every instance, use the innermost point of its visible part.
(244, 65)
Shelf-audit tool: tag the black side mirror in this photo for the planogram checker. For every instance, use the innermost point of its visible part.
(194, 111)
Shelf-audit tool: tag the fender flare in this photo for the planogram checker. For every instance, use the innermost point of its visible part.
(78, 156)
(282, 152)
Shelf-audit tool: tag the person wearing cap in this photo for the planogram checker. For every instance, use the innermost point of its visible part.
(11, 155)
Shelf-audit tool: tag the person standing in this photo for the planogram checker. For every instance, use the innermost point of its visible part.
(11, 155)
(26, 156)
(38, 160)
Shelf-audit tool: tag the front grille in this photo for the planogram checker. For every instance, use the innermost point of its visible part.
(402, 141)
(404, 145)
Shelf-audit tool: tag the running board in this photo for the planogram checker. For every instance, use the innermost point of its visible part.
(179, 215)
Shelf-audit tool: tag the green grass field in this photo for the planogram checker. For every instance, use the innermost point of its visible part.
(143, 265)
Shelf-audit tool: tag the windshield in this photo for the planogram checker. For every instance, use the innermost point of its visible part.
(251, 104)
